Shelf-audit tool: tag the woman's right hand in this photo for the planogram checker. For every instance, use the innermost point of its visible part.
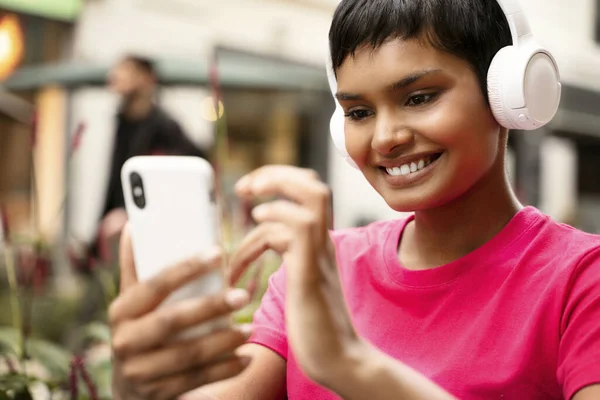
(149, 361)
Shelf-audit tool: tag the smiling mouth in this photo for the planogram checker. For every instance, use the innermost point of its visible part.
(412, 167)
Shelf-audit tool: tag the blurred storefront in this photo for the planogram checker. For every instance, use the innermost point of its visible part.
(32, 33)
(277, 111)
(276, 97)
(275, 90)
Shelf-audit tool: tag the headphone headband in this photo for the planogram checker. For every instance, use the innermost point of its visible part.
(517, 21)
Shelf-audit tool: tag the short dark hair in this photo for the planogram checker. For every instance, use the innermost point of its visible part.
(473, 30)
(143, 63)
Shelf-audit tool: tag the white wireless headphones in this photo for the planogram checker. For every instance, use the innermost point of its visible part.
(523, 82)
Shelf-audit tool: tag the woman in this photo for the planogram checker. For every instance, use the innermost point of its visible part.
(474, 296)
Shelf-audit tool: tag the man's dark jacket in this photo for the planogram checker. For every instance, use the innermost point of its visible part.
(158, 133)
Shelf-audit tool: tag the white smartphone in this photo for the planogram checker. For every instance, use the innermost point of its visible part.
(173, 216)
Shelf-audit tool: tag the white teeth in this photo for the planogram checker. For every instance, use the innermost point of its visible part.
(409, 168)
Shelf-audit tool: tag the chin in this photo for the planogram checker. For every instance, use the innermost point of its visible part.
(408, 204)
(419, 197)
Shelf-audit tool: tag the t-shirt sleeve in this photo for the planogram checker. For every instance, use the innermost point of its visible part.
(269, 319)
(579, 349)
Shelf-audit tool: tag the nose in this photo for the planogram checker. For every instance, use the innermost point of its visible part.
(390, 134)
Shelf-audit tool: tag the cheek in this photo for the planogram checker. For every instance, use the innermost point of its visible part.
(358, 140)
(472, 141)
(463, 128)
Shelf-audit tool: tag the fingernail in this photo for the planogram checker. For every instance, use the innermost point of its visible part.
(259, 183)
(246, 329)
(243, 183)
(212, 255)
(259, 211)
(237, 298)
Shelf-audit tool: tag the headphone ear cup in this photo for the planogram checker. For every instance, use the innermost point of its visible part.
(336, 125)
(542, 88)
(499, 66)
(338, 136)
(523, 87)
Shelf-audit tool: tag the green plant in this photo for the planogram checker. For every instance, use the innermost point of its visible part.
(55, 343)
(31, 366)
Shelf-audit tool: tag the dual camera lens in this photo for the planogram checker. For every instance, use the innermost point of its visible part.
(137, 190)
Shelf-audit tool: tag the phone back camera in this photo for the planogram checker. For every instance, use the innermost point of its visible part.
(137, 190)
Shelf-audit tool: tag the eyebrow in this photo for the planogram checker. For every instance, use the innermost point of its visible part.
(401, 84)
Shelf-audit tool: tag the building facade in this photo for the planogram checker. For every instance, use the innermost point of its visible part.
(44, 31)
(277, 116)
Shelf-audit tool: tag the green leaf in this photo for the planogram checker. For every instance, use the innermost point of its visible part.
(23, 394)
(55, 359)
(4, 395)
(97, 332)
(13, 382)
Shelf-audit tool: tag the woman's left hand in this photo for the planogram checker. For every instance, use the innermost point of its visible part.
(318, 324)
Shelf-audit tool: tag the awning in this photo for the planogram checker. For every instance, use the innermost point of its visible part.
(235, 70)
(65, 10)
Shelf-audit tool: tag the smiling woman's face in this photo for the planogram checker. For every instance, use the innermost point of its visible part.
(417, 124)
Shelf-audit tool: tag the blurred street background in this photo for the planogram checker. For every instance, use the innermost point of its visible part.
(58, 119)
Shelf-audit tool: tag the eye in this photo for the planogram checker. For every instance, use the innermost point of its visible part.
(420, 99)
(358, 115)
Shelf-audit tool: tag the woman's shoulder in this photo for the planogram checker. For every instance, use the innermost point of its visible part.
(564, 251)
(564, 239)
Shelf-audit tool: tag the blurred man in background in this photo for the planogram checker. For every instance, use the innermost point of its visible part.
(143, 128)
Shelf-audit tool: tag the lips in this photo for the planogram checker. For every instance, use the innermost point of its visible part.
(413, 166)
(410, 169)
(409, 163)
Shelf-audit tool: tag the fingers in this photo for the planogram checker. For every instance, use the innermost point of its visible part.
(170, 387)
(156, 328)
(287, 213)
(128, 276)
(146, 296)
(184, 355)
(299, 185)
(309, 229)
(265, 236)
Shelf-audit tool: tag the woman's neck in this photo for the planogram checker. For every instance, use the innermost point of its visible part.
(445, 234)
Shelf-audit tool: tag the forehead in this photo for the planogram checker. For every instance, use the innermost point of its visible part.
(393, 60)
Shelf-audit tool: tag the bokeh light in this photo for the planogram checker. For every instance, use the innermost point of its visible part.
(207, 109)
(12, 44)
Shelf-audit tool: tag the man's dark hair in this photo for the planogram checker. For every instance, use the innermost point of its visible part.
(144, 64)
(473, 30)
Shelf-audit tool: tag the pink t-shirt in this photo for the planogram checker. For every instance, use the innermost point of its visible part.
(518, 318)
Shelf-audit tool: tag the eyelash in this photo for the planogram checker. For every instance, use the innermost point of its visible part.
(427, 98)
